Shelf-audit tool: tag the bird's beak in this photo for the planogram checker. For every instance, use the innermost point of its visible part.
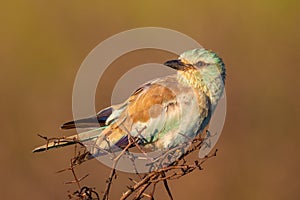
(175, 64)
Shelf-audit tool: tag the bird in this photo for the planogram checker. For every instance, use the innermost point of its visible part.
(162, 113)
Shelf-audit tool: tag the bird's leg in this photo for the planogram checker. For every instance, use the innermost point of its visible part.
(207, 143)
(207, 139)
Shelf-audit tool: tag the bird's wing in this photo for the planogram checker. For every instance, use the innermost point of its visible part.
(158, 112)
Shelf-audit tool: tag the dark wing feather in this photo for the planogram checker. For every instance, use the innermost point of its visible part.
(90, 122)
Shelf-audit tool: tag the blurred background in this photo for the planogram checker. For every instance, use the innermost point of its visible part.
(43, 44)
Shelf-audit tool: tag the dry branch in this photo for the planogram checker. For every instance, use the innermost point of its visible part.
(160, 172)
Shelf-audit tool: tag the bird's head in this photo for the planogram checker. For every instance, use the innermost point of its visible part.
(198, 64)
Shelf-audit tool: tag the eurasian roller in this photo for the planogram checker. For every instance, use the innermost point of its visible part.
(161, 114)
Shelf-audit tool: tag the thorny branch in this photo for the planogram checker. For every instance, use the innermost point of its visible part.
(160, 172)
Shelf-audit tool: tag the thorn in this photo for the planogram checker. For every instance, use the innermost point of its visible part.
(44, 137)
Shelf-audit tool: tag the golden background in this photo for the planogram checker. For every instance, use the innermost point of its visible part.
(44, 42)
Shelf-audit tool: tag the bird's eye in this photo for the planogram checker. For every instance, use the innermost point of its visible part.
(201, 64)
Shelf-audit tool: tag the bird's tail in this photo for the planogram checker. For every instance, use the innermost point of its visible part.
(88, 136)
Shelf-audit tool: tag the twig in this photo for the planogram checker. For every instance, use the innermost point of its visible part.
(167, 186)
(108, 185)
